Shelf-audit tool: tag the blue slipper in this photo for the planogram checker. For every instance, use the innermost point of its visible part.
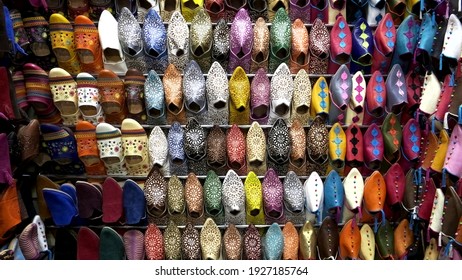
(70, 190)
(134, 203)
(61, 205)
(61, 143)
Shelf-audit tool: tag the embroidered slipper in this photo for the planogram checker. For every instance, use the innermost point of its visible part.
(112, 96)
(158, 150)
(111, 245)
(134, 244)
(88, 93)
(62, 207)
(37, 30)
(62, 42)
(64, 90)
(134, 90)
(112, 201)
(87, 244)
(134, 203)
(135, 145)
(109, 140)
(154, 98)
(87, 148)
(87, 44)
(61, 144)
(89, 200)
(38, 94)
(29, 244)
(29, 140)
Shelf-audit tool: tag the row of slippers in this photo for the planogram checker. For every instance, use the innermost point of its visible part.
(209, 243)
(105, 149)
(153, 47)
(373, 199)
(58, 97)
(218, 9)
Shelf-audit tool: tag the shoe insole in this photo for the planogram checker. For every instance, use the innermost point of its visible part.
(40, 49)
(190, 4)
(214, 212)
(179, 52)
(111, 107)
(236, 3)
(342, 58)
(302, 109)
(274, 214)
(173, 108)
(219, 105)
(339, 4)
(111, 160)
(281, 109)
(170, 5)
(154, 112)
(301, 59)
(88, 110)
(338, 163)
(260, 57)
(153, 52)
(254, 212)
(198, 51)
(365, 59)
(85, 56)
(124, 3)
(216, 164)
(301, 3)
(215, 8)
(259, 5)
(193, 106)
(235, 165)
(66, 107)
(89, 160)
(260, 111)
(278, 5)
(220, 57)
(133, 159)
(63, 161)
(112, 55)
(240, 109)
(256, 163)
(62, 54)
(145, 4)
(320, 4)
(282, 53)
(135, 106)
(298, 162)
(194, 214)
(396, 109)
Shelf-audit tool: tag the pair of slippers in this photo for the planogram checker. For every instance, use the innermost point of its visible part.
(125, 151)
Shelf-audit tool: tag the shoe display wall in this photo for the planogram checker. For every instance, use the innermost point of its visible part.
(232, 130)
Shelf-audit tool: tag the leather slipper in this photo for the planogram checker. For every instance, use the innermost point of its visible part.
(87, 148)
(89, 106)
(70, 190)
(109, 140)
(135, 146)
(134, 203)
(89, 200)
(112, 201)
(112, 96)
(87, 244)
(64, 90)
(111, 245)
(29, 140)
(61, 205)
(87, 45)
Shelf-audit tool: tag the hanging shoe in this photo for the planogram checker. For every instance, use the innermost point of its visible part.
(280, 40)
(217, 93)
(201, 40)
(87, 45)
(340, 45)
(260, 49)
(319, 48)
(260, 97)
(178, 41)
(301, 100)
(194, 93)
(155, 42)
(278, 147)
(241, 41)
(195, 147)
(282, 89)
(253, 200)
(178, 160)
(239, 91)
(154, 99)
(232, 243)
(210, 241)
(252, 244)
(327, 239)
(273, 197)
(158, 150)
(130, 38)
(384, 45)
(220, 46)
(340, 91)
(297, 159)
(216, 150)
(362, 47)
(256, 149)
(234, 199)
(173, 88)
(273, 243)
(299, 55)
(172, 242)
(236, 148)
(190, 243)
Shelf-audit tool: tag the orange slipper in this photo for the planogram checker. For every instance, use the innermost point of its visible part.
(87, 148)
(62, 43)
(87, 45)
(41, 183)
(112, 96)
